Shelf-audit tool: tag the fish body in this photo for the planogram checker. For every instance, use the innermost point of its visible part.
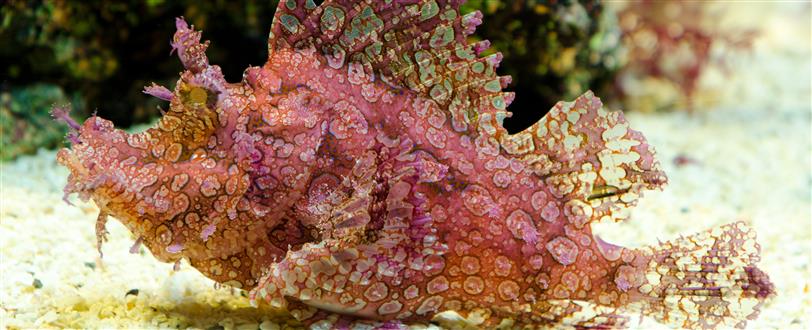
(363, 175)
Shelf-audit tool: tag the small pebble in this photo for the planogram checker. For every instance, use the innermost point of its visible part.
(268, 325)
(248, 326)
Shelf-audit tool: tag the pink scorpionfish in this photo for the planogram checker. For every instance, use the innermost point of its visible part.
(362, 177)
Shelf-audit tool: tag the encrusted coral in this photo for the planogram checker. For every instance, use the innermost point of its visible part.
(25, 123)
(363, 175)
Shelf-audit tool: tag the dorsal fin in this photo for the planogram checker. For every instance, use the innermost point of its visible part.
(418, 45)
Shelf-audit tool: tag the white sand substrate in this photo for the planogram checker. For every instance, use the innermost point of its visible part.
(751, 166)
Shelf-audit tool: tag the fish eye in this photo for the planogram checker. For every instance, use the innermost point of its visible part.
(198, 96)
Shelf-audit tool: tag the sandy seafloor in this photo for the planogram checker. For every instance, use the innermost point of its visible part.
(751, 160)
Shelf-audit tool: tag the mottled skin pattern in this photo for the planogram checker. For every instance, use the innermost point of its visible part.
(362, 176)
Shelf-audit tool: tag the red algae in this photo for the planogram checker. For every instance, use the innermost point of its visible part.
(362, 176)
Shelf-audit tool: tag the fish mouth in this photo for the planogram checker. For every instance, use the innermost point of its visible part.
(103, 160)
(124, 188)
(106, 167)
(84, 179)
(150, 186)
(93, 160)
(89, 173)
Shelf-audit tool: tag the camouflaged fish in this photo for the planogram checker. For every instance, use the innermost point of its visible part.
(362, 176)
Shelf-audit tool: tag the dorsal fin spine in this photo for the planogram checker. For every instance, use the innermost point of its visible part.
(419, 45)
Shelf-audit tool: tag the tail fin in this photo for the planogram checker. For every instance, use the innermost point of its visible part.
(706, 280)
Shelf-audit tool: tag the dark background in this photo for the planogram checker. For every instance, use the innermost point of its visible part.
(98, 55)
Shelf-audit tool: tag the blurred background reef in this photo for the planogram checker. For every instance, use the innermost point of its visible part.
(98, 55)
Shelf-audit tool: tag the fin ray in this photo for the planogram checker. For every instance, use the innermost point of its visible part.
(589, 157)
(706, 280)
